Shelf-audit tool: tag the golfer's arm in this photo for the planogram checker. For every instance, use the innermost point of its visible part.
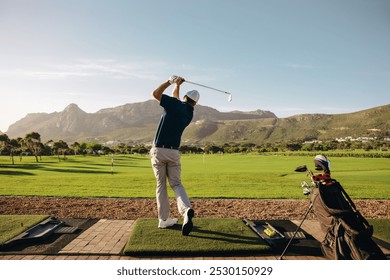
(158, 92)
(176, 91)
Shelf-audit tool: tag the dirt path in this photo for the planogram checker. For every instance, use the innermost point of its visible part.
(256, 209)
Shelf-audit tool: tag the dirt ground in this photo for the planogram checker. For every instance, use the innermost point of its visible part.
(107, 208)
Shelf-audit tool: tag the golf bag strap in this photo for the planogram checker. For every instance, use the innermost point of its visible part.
(354, 207)
(347, 197)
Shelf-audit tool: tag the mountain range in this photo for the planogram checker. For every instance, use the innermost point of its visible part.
(136, 123)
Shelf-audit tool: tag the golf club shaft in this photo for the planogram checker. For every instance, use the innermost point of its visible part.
(291, 239)
(207, 87)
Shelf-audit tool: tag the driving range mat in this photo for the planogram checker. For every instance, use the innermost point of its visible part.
(299, 246)
(211, 236)
(53, 243)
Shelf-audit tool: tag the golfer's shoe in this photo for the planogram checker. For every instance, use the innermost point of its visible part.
(167, 223)
(187, 223)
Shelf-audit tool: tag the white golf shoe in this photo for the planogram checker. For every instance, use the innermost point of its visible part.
(167, 223)
(187, 223)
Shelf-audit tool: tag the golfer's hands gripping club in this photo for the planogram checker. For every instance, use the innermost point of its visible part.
(176, 80)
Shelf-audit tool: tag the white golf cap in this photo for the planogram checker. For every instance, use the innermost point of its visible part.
(194, 95)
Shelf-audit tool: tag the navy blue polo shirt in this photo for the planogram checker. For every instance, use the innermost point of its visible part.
(176, 117)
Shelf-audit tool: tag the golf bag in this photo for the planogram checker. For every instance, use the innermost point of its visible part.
(348, 234)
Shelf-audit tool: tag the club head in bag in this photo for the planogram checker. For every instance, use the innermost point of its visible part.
(302, 168)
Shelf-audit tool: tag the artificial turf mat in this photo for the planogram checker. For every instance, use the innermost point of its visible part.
(212, 236)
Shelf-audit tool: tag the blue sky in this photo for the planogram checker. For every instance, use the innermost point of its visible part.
(288, 57)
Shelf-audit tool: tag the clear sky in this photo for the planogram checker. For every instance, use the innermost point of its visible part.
(288, 57)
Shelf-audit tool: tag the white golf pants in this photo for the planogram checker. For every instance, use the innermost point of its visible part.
(166, 164)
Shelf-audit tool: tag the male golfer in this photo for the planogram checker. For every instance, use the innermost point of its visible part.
(165, 155)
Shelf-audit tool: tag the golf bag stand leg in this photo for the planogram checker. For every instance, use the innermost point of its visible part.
(292, 237)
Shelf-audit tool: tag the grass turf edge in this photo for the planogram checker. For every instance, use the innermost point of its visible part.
(381, 228)
(12, 225)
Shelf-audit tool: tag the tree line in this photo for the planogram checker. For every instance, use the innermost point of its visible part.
(323, 146)
(31, 144)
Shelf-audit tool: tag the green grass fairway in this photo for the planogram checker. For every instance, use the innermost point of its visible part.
(12, 225)
(204, 176)
(214, 236)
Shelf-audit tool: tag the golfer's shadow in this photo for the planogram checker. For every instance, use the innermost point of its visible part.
(198, 232)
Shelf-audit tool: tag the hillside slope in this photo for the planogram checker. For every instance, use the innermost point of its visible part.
(136, 123)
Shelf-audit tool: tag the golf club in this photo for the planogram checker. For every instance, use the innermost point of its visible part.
(306, 191)
(230, 95)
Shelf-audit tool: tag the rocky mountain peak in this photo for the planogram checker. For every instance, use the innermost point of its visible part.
(72, 108)
(125, 122)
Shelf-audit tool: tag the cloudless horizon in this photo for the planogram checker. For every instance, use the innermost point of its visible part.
(288, 57)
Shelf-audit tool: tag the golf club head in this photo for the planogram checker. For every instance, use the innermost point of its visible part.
(304, 184)
(302, 168)
(306, 191)
(230, 98)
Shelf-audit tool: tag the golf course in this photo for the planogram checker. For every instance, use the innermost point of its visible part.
(116, 182)
(204, 176)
